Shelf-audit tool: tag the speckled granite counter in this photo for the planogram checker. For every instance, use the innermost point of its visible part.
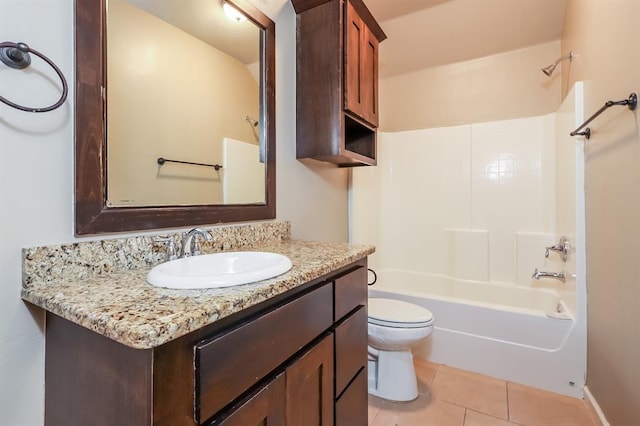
(122, 306)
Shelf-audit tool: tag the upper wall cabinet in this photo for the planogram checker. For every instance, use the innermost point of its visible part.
(360, 68)
(337, 81)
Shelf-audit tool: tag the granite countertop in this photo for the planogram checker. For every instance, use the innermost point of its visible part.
(124, 307)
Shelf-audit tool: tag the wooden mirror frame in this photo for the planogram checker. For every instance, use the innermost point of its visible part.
(92, 214)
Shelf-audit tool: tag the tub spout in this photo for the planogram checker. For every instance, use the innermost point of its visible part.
(556, 275)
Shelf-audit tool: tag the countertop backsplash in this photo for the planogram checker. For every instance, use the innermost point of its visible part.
(84, 259)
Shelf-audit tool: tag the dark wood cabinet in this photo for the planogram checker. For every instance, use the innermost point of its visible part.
(361, 68)
(353, 402)
(293, 359)
(337, 81)
(309, 389)
(228, 364)
(302, 394)
(265, 407)
(350, 348)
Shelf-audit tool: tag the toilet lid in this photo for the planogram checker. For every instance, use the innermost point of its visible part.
(396, 313)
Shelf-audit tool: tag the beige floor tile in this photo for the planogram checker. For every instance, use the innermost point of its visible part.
(534, 407)
(424, 411)
(425, 371)
(475, 391)
(374, 406)
(473, 418)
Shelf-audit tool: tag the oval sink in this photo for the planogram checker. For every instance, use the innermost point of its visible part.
(218, 270)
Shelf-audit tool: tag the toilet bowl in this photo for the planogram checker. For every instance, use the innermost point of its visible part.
(394, 327)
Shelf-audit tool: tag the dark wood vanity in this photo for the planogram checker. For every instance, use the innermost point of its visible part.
(298, 358)
(337, 81)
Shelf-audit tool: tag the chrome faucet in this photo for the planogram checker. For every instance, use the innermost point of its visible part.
(190, 245)
(556, 275)
(562, 248)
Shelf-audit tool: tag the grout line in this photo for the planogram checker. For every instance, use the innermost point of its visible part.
(464, 418)
(493, 417)
(371, 421)
(508, 408)
(433, 377)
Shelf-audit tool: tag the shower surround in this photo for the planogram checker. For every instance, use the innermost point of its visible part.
(462, 201)
(478, 204)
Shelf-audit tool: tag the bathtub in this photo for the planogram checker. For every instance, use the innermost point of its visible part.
(519, 334)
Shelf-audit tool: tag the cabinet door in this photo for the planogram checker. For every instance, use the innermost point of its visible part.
(309, 394)
(354, 33)
(265, 408)
(369, 79)
(361, 68)
(351, 408)
(350, 348)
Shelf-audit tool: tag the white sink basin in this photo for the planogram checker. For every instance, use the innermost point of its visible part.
(218, 270)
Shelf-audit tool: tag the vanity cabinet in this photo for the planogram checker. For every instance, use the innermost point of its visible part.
(300, 395)
(337, 81)
(309, 389)
(266, 406)
(298, 358)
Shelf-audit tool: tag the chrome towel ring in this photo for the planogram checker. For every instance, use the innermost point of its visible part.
(16, 55)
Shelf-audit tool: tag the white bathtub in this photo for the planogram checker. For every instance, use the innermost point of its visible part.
(498, 330)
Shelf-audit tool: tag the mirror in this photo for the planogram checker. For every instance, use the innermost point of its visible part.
(202, 124)
(214, 127)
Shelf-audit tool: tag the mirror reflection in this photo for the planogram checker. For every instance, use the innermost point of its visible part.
(183, 86)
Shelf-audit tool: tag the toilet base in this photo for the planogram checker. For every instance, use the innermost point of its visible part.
(392, 375)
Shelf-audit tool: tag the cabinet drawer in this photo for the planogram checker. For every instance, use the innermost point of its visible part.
(230, 364)
(351, 348)
(350, 291)
(351, 408)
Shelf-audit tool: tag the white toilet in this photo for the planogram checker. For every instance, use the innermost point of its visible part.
(394, 328)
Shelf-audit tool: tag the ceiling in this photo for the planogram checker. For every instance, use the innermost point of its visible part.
(205, 20)
(421, 33)
(428, 33)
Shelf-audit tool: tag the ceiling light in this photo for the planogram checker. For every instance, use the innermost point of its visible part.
(232, 13)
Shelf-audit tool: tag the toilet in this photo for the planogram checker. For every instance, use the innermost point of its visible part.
(394, 327)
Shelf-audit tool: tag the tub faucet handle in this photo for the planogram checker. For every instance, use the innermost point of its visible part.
(562, 248)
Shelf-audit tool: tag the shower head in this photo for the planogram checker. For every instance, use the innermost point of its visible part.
(549, 70)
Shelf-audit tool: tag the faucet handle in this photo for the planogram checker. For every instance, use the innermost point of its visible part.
(171, 246)
(195, 250)
(562, 248)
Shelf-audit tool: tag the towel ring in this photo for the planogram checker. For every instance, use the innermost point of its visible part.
(16, 55)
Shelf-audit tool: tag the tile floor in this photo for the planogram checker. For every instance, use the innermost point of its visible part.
(452, 397)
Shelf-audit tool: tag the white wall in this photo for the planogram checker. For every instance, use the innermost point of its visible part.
(473, 201)
(36, 182)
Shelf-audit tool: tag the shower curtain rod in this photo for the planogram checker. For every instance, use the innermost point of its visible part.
(631, 102)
